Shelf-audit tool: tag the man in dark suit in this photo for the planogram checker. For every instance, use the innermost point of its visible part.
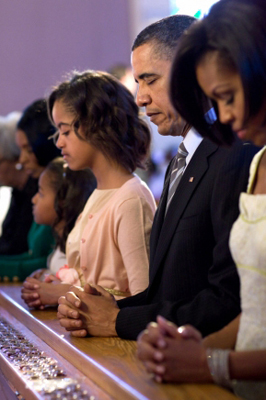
(192, 276)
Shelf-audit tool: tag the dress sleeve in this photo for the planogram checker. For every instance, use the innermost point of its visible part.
(133, 228)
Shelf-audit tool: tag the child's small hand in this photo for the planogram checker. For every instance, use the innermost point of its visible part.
(49, 278)
(39, 273)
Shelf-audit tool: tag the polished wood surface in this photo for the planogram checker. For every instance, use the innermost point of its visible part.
(109, 365)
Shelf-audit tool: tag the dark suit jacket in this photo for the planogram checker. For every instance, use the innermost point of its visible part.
(193, 278)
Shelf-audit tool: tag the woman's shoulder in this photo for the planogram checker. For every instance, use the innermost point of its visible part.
(259, 159)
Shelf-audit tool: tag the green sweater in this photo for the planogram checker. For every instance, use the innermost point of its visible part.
(18, 267)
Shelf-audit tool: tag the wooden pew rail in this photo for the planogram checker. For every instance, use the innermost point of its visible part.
(107, 368)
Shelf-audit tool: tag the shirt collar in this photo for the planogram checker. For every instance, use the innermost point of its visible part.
(191, 142)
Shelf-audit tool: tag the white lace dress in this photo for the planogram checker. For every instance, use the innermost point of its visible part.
(248, 247)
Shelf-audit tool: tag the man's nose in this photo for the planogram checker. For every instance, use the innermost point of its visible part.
(143, 99)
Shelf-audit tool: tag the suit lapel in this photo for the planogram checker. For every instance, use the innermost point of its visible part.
(194, 172)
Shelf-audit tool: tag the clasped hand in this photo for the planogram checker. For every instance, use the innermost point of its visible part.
(173, 354)
(38, 294)
(89, 311)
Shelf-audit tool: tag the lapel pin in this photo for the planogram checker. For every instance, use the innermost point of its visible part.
(191, 179)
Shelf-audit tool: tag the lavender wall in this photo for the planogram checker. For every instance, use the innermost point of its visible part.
(40, 40)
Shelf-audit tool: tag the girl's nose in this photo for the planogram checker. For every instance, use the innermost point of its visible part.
(34, 198)
(59, 142)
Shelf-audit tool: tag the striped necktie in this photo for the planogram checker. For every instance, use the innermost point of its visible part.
(178, 167)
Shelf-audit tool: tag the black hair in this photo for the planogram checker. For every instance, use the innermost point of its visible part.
(164, 34)
(38, 128)
(236, 30)
(72, 190)
(108, 115)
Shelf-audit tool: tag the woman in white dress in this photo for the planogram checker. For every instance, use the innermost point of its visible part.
(222, 60)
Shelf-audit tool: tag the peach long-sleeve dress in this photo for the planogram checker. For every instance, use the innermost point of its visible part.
(109, 244)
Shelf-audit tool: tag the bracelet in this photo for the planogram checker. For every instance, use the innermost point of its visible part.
(218, 363)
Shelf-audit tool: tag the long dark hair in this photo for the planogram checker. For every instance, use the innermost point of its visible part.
(236, 29)
(36, 125)
(108, 115)
(72, 190)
